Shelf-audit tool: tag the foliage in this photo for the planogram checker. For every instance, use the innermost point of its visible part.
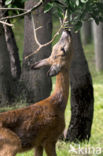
(14, 4)
(78, 10)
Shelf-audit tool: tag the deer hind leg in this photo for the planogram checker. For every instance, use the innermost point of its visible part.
(39, 151)
(50, 149)
(9, 143)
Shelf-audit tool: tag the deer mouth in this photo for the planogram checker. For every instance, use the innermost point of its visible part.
(54, 70)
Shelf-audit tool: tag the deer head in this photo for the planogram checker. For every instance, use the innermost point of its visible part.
(60, 56)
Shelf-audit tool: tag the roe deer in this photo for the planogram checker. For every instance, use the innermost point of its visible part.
(40, 124)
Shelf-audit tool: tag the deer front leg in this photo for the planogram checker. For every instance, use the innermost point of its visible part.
(9, 142)
(50, 149)
(39, 151)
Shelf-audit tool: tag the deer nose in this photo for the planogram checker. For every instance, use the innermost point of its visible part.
(65, 34)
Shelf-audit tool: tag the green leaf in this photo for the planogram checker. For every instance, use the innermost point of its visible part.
(7, 2)
(59, 12)
(84, 1)
(78, 26)
(77, 2)
(10, 6)
(48, 7)
(23, 1)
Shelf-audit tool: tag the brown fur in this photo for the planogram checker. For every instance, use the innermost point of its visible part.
(40, 124)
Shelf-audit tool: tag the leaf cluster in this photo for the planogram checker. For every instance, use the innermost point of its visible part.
(78, 10)
(14, 4)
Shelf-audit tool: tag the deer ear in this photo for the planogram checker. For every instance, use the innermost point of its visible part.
(39, 64)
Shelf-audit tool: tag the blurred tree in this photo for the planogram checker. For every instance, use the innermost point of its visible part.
(13, 53)
(86, 32)
(98, 45)
(37, 84)
(5, 73)
(82, 100)
(14, 58)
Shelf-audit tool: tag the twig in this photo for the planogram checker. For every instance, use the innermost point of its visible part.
(5, 23)
(25, 13)
(15, 16)
(19, 9)
(46, 44)
(34, 29)
(39, 28)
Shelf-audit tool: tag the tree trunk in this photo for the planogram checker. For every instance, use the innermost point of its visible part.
(98, 45)
(5, 73)
(82, 100)
(13, 52)
(36, 83)
(86, 32)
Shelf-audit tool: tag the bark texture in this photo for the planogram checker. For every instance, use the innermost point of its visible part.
(13, 53)
(36, 83)
(5, 73)
(86, 32)
(98, 45)
(82, 101)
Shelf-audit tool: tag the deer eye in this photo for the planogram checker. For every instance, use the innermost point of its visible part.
(63, 50)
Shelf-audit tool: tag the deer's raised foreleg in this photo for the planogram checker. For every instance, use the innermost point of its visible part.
(9, 143)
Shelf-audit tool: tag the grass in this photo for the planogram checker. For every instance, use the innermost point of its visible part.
(96, 139)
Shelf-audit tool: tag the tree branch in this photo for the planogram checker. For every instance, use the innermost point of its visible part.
(19, 9)
(34, 29)
(5, 23)
(25, 13)
(46, 44)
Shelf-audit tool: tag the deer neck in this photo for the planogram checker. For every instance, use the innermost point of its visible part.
(61, 90)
